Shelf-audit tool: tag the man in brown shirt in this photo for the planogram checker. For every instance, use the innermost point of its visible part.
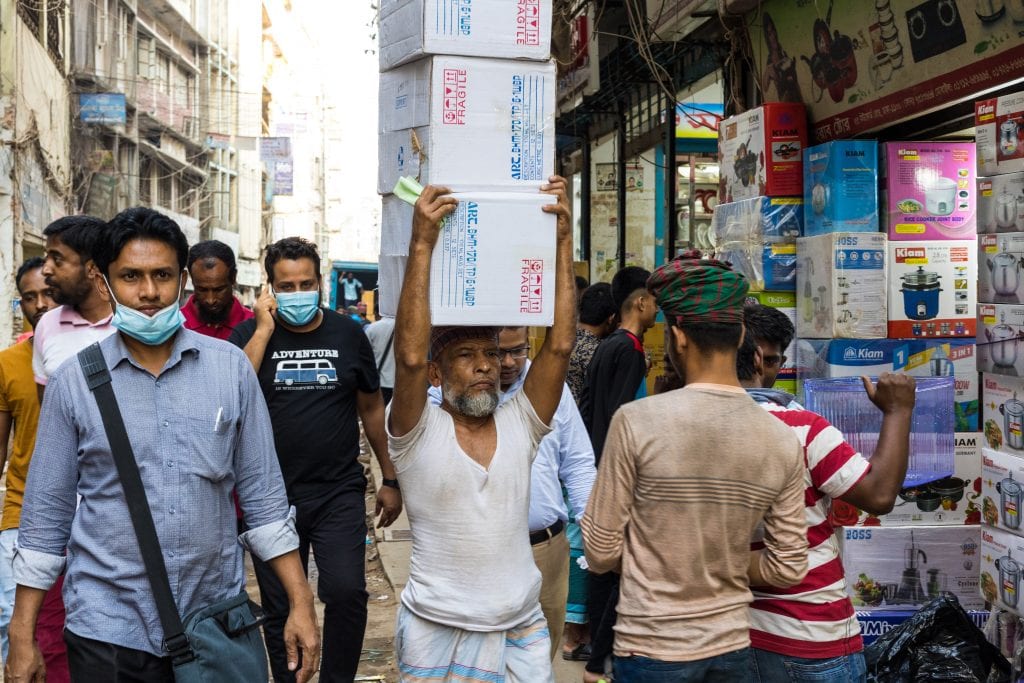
(686, 479)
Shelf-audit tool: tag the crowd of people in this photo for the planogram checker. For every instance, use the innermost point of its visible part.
(556, 510)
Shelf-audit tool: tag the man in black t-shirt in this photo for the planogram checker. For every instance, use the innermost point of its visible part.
(319, 377)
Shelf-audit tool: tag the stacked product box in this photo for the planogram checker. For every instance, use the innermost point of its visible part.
(785, 302)
(999, 131)
(758, 237)
(760, 152)
(467, 101)
(1000, 337)
(932, 289)
(841, 187)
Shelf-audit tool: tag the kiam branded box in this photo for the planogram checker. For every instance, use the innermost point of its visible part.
(933, 289)
(1002, 413)
(1001, 203)
(841, 283)
(509, 29)
(1000, 338)
(760, 152)
(929, 190)
(999, 132)
(468, 123)
(1001, 268)
(841, 187)
(1002, 485)
(1001, 569)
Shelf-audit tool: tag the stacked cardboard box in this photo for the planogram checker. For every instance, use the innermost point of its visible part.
(467, 97)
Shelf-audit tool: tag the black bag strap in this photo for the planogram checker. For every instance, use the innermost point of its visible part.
(387, 350)
(97, 377)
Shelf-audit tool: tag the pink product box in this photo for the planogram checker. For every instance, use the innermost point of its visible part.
(929, 190)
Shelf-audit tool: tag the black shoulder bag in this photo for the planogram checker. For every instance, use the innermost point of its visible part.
(214, 644)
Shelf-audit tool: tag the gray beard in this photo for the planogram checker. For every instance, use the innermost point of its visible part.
(477, 405)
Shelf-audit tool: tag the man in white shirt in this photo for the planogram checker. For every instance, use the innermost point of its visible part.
(471, 606)
(382, 338)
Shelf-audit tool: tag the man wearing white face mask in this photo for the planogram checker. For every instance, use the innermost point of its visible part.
(318, 375)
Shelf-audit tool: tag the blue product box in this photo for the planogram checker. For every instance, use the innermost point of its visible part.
(841, 187)
(758, 236)
(873, 625)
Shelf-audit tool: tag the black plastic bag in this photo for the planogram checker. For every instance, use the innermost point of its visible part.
(938, 643)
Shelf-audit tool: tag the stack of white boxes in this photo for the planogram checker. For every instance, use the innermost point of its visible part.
(467, 101)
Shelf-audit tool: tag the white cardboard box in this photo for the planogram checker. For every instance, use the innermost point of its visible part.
(395, 225)
(1001, 203)
(509, 29)
(468, 123)
(494, 263)
(1002, 490)
(999, 133)
(1001, 339)
(933, 289)
(841, 286)
(1000, 575)
(895, 567)
(1001, 268)
(1002, 431)
(390, 274)
(760, 152)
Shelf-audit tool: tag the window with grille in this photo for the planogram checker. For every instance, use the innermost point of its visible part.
(165, 187)
(145, 57)
(145, 181)
(31, 13)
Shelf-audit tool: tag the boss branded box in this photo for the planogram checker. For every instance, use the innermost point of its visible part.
(1001, 268)
(758, 236)
(841, 187)
(468, 123)
(1000, 338)
(841, 281)
(1001, 570)
(509, 29)
(932, 290)
(760, 152)
(999, 132)
(929, 191)
(1001, 203)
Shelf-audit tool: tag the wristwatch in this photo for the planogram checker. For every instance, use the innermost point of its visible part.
(393, 483)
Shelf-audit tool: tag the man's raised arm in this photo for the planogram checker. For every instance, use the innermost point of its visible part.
(412, 321)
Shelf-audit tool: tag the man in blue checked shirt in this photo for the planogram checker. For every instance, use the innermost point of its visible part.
(199, 429)
(564, 455)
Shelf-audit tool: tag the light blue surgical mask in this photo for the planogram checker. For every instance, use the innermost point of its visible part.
(297, 308)
(150, 330)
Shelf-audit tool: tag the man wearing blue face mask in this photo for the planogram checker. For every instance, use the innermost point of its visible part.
(318, 375)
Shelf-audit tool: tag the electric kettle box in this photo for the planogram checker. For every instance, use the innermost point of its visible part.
(999, 132)
(1002, 486)
(840, 288)
(760, 152)
(1001, 569)
(510, 29)
(906, 566)
(1000, 268)
(1000, 338)
(841, 187)
(468, 123)
(933, 289)
(1001, 203)
(758, 237)
(929, 191)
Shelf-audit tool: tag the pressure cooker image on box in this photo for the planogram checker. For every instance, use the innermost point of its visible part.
(1009, 580)
(1010, 495)
(1003, 345)
(1004, 269)
(921, 294)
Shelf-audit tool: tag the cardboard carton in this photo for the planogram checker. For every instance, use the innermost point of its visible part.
(841, 187)
(841, 283)
(1001, 203)
(509, 29)
(1002, 487)
(468, 123)
(1002, 421)
(758, 236)
(929, 190)
(932, 289)
(904, 567)
(1000, 570)
(390, 274)
(395, 225)
(1001, 268)
(999, 132)
(785, 302)
(760, 152)
(1000, 339)
(877, 623)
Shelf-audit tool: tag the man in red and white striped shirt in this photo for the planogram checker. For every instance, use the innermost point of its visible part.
(809, 631)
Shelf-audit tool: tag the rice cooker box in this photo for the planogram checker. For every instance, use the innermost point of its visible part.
(785, 302)
(841, 187)
(951, 501)
(933, 289)
(1002, 413)
(760, 152)
(1001, 268)
(1000, 338)
(510, 29)
(1001, 569)
(840, 288)
(929, 190)
(1001, 203)
(1002, 488)
(438, 115)
(999, 132)
(904, 567)
(758, 237)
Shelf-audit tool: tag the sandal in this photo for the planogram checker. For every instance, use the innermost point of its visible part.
(580, 653)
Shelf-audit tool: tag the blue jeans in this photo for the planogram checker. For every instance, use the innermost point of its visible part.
(769, 667)
(732, 667)
(8, 541)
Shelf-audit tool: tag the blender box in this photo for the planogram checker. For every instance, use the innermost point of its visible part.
(758, 237)
(760, 152)
(785, 302)
(921, 358)
(1002, 413)
(1002, 483)
(950, 501)
(875, 624)
(1000, 338)
(903, 567)
(1001, 569)
(840, 288)
(933, 289)
(1001, 203)
(510, 29)
(494, 261)
(841, 187)
(1000, 266)
(999, 132)
(468, 123)
(929, 190)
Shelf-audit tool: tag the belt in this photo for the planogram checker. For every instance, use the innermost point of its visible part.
(546, 534)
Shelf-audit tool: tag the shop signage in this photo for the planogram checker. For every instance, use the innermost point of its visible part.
(273, 149)
(102, 108)
(861, 65)
(698, 121)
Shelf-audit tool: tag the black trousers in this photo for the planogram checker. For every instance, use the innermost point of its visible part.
(602, 601)
(92, 660)
(335, 526)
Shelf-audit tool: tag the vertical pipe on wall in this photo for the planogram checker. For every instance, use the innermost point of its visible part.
(620, 185)
(585, 185)
(671, 180)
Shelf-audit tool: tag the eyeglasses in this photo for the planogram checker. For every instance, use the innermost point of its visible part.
(520, 352)
(773, 361)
